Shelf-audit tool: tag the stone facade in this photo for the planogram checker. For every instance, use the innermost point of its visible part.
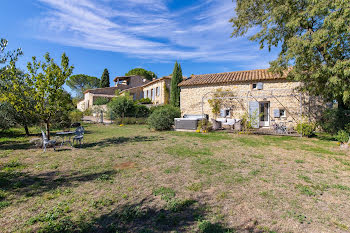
(158, 91)
(276, 102)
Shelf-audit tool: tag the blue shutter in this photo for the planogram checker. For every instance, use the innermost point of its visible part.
(222, 113)
(259, 86)
(276, 113)
(254, 113)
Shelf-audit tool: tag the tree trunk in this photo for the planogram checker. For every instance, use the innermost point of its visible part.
(27, 130)
(47, 129)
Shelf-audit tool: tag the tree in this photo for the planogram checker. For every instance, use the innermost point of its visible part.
(9, 56)
(175, 89)
(142, 72)
(47, 79)
(121, 107)
(105, 79)
(18, 93)
(313, 37)
(81, 82)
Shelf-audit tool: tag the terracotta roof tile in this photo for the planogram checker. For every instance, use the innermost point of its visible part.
(231, 77)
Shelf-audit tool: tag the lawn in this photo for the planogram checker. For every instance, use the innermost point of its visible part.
(129, 179)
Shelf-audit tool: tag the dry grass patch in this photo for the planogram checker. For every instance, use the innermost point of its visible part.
(129, 179)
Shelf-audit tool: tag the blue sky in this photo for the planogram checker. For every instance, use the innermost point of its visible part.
(124, 34)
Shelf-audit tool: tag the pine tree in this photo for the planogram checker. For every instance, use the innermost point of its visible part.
(175, 90)
(105, 79)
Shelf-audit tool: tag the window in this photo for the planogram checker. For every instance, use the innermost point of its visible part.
(157, 91)
(225, 112)
(257, 86)
(282, 113)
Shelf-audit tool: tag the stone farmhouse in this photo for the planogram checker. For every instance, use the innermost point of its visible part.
(266, 98)
(137, 86)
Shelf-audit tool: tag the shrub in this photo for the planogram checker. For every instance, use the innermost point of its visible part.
(131, 121)
(204, 125)
(163, 117)
(141, 111)
(333, 120)
(121, 106)
(306, 128)
(76, 116)
(101, 101)
(342, 136)
(87, 112)
(144, 101)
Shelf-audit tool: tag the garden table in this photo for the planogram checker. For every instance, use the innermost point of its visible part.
(66, 137)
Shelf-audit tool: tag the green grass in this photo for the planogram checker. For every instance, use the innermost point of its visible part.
(131, 179)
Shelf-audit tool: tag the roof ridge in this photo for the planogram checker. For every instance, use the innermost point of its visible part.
(230, 72)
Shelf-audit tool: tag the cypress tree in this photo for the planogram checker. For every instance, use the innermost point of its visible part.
(175, 90)
(179, 80)
(105, 79)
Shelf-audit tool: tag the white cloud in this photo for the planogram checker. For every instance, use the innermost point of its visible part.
(147, 29)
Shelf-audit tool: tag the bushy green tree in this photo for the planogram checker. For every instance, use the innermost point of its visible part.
(105, 79)
(47, 79)
(7, 113)
(142, 72)
(162, 118)
(81, 82)
(175, 89)
(121, 106)
(17, 91)
(313, 38)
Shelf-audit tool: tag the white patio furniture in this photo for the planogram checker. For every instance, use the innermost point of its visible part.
(47, 142)
(79, 135)
(66, 137)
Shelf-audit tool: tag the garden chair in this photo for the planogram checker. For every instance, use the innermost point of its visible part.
(79, 135)
(47, 142)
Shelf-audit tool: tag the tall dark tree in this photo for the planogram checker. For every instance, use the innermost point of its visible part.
(142, 72)
(314, 38)
(105, 79)
(175, 89)
(81, 82)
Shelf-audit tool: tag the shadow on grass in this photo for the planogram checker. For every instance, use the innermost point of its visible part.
(15, 145)
(26, 184)
(143, 216)
(120, 140)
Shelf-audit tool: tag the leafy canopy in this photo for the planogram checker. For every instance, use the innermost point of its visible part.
(142, 72)
(81, 82)
(47, 78)
(313, 36)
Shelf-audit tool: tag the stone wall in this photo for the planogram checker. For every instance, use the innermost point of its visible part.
(161, 97)
(191, 100)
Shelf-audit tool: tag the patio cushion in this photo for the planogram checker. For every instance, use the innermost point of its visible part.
(230, 121)
(222, 120)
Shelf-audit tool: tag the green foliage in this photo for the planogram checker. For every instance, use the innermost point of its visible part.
(6, 116)
(204, 125)
(142, 72)
(306, 128)
(175, 89)
(206, 226)
(144, 101)
(141, 111)
(81, 82)
(130, 121)
(313, 37)
(342, 136)
(163, 117)
(87, 112)
(76, 116)
(101, 101)
(105, 79)
(333, 120)
(61, 119)
(9, 56)
(121, 106)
